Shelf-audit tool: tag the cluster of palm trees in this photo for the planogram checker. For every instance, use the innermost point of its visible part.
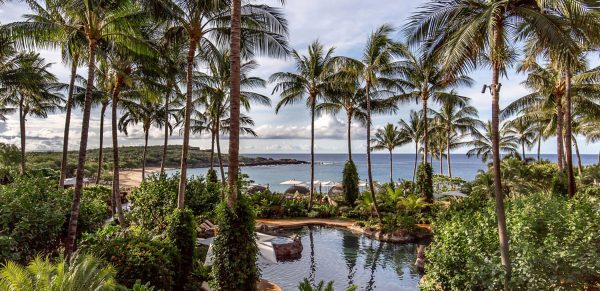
(154, 63)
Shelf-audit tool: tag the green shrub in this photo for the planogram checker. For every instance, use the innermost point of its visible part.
(425, 181)
(135, 255)
(10, 155)
(323, 211)
(235, 248)
(350, 183)
(182, 232)
(267, 204)
(94, 209)
(554, 245)
(391, 223)
(295, 207)
(32, 215)
(211, 176)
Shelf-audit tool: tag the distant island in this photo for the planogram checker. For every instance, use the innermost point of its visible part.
(130, 157)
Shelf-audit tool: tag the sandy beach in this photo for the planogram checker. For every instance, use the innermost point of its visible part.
(133, 177)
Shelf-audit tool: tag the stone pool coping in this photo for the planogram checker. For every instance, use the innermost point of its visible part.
(396, 237)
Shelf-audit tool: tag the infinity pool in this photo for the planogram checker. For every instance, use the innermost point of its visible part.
(338, 255)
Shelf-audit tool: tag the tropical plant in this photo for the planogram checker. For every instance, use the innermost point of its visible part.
(80, 272)
(524, 133)
(388, 138)
(321, 286)
(481, 142)
(411, 129)
(350, 182)
(312, 81)
(456, 118)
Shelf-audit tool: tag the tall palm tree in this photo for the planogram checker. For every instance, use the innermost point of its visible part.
(482, 145)
(33, 97)
(412, 129)
(50, 26)
(198, 23)
(524, 133)
(103, 22)
(423, 79)
(378, 69)
(455, 116)
(388, 138)
(465, 32)
(312, 81)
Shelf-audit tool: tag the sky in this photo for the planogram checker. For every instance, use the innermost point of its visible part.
(343, 24)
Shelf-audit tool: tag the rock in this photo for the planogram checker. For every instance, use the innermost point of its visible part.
(421, 260)
(288, 248)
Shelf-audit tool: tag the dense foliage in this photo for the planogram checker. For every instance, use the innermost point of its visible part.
(424, 186)
(182, 232)
(554, 245)
(350, 183)
(235, 262)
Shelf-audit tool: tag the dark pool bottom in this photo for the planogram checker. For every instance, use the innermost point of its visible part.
(334, 254)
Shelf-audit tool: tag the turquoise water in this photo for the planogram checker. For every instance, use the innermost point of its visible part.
(329, 167)
(333, 254)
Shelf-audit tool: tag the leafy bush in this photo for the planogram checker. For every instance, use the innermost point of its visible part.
(32, 215)
(182, 232)
(10, 155)
(267, 204)
(350, 183)
(323, 211)
(295, 207)
(94, 209)
(425, 181)
(235, 248)
(391, 223)
(554, 245)
(135, 255)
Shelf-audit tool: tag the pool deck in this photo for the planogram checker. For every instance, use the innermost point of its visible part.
(299, 222)
(263, 285)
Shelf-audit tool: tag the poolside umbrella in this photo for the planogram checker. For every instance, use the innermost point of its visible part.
(291, 182)
(316, 182)
(297, 189)
(362, 183)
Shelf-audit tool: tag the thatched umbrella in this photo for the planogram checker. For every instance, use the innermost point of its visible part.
(297, 189)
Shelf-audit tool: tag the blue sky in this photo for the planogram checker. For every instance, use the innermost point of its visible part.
(343, 24)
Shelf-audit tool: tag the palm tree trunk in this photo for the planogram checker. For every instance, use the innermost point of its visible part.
(559, 132)
(22, 132)
(234, 136)
(424, 97)
(220, 157)
(448, 154)
(101, 143)
(349, 137)
(391, 169)
(312, 150)
(569, 136)
(369, 170)
(146, 132)
(186, 123)
(539, 146)
(441, 163)
(579, 166)
(85, 126)
(499, 196)
(523, 151)
(416, 160)
(116, 188)
(212, 148)
(166, 143)
(69, 105)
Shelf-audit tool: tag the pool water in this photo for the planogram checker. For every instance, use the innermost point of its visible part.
(333, 254)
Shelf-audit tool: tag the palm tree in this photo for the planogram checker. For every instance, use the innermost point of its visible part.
(411, 129)
(388, 138)
(378, 70)
(48, 27)
(32, 97)
(455, 116)
(482, 142)
(465, 32)
(103, 22)
(423, 79)
(524, 133)
(265, 31)
(312, 81)
(80, 272)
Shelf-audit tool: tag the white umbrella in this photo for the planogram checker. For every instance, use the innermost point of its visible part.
(328, 184)
(362, 183)
(291, 182)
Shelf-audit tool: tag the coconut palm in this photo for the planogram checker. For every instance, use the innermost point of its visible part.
(524, 133)
(49, 26)
(103, 23)
(424, 80)
(455, 116)
(466, 32)
(482, 142)
(412, 129)
(388, 138)
(264, 30)
(33, 97)
(378, 69)
(312, 80)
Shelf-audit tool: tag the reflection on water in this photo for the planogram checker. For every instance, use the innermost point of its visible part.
(339, 255)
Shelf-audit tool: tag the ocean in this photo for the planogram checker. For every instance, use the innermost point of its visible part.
(328, 167)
